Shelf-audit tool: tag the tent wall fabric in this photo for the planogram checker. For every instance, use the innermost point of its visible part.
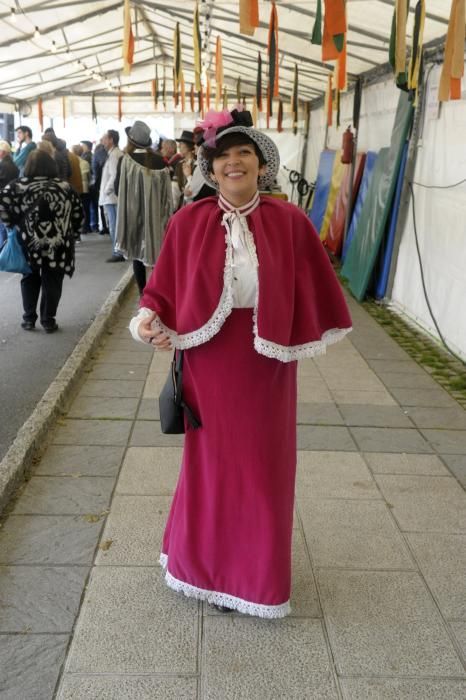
(440, 217)
(334, 239)
(363, 250)
(388, 242)
(370, 160)
(322, 189)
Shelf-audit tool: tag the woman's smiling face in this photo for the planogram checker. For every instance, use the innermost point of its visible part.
(236, 171)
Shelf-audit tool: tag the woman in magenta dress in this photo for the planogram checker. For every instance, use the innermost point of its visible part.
(243, 285)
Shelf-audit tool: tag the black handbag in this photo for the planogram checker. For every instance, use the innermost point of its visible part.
(172, 407)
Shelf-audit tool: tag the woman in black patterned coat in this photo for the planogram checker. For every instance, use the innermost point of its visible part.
(47, 214)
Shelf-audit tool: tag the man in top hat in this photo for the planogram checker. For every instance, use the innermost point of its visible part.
(186, 150)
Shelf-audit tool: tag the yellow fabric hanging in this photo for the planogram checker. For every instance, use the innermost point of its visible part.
(414, 68)
(218, 73)
(335, 184)
(401, 14)
(197, 49)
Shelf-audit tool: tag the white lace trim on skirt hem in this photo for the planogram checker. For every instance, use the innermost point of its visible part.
(229, 601)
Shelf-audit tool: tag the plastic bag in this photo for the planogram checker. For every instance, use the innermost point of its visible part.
(12, 258)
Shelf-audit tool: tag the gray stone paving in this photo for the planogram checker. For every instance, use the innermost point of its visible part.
(379, 545)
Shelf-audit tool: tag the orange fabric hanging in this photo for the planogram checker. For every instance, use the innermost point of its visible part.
(330, 100)
(280, 117)
(334, 25)
(154, 92)
(40, 113)
(191, 98)
(453, 64)
(342, 76)
(254, 111)
(120, 106)
(128, 40)
(248, 16)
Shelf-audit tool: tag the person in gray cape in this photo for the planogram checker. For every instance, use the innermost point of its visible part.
(145, 202)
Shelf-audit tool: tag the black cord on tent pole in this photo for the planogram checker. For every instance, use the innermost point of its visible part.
(426, 296)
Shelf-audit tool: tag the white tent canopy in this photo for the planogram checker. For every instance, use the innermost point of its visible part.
(53, 48)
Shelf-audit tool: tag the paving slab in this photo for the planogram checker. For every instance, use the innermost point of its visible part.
(114, 356)
(30, 665)
(403, 463)
(390, 440)
(79, 687)
(425, 503)
(442, 560)
(56, 495)
(313, 391)
(154, 385)
(443, 418)
(323, 437)
(278, 659)
(423, 397)
(105, 370)
(457, 465)
(459, 630)
(148, 410)
(112, 388)
(402, 689)
(126, 613)
(150, 471)
(134, 528)
(97, 407)
(40, 599)
(148, 434)
(352, 534)
(126, 345)
(375, 416)
(407, 380)
(334, 475)
(92, 432)
(385, 623)
(318, 414)
(368, 398)
(447, 441)
(43, 539)
(406, 366)
(82, 460)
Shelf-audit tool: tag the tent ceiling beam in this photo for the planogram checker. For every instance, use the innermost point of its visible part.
(57, 27)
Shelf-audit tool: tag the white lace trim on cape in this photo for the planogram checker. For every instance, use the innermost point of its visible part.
(229, 601)
(284, 353)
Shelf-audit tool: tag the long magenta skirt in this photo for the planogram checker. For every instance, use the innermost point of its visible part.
(228, 535)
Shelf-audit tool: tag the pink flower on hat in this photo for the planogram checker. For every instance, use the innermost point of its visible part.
(213, 121)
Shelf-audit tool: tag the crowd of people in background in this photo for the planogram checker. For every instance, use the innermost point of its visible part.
(54, 195)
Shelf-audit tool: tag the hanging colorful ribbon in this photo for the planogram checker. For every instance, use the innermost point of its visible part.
(63, 110)
(280, 117)
(155, 88)
(164, 90)
(197, 49)
(183, 95)
(128, 40)
(93, 108)
(254, 111)
(40, 113)
(200, 97)
(248, 16)
(177, 66)
(120, 105)
(273, 59)
(259, 83)
(238, 90)
(329, 100)
(334, 29)
(225, 98)
(294, 101)
(416, 52)
(397, 49)
(191, 99)
(453, 63)
(218, 73)
(207, 93)
(316, 36)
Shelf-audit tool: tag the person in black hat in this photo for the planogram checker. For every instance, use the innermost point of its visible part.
(186, 148)
(144, 201)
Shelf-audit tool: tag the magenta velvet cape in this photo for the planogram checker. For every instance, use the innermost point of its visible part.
(300, 307)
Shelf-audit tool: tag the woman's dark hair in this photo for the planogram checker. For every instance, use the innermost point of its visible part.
(236, 138)
(40, 164)
(114, 135)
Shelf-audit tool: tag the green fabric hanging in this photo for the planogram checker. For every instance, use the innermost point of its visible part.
(316, 37)
(339, 41)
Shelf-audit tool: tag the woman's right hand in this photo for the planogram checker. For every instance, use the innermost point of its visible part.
(155, 337)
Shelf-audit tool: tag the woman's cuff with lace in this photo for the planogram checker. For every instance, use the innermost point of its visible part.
(144, 312)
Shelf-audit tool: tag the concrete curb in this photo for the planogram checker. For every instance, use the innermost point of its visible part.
(32, 435)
